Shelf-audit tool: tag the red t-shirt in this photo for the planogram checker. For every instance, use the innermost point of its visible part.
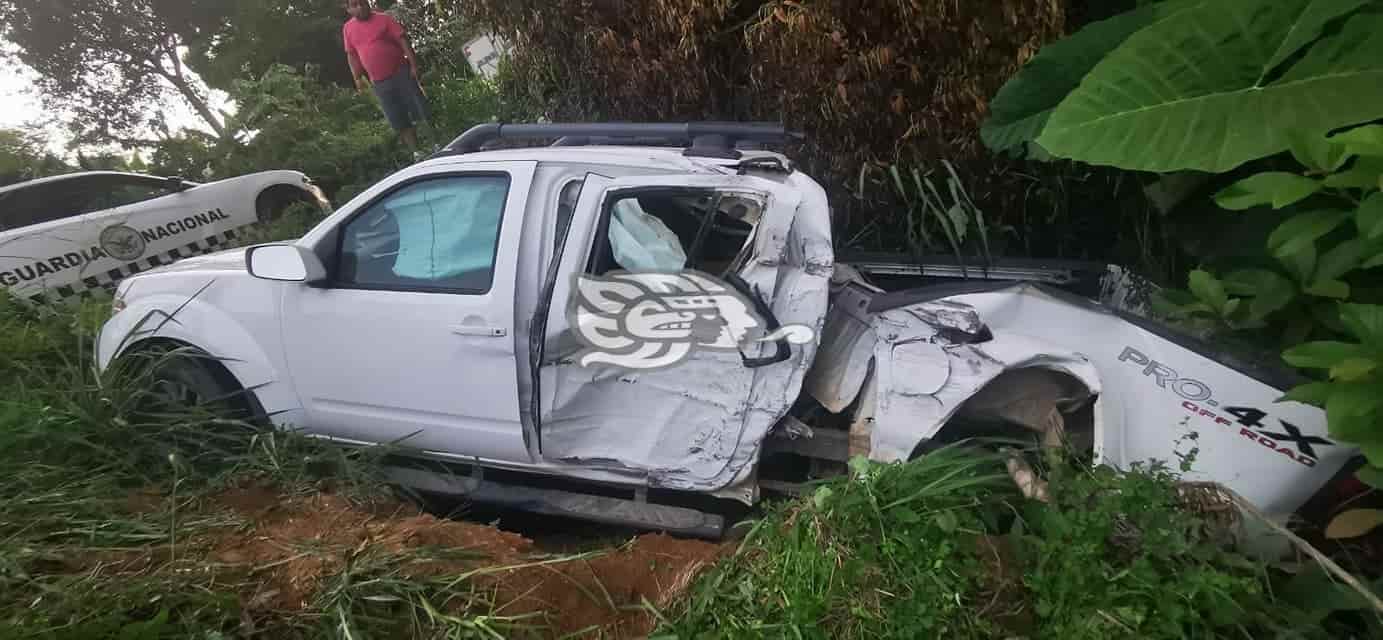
(379, 43)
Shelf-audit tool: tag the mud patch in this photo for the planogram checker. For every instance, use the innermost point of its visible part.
(608, 593)
(291, 547)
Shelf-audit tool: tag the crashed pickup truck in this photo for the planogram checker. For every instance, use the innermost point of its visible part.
(645, 323)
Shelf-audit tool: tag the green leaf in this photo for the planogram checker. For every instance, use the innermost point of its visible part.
(947, 521)
(1021, 108)
(1310, 23)
(1327, 314)
(1353, 369)
(1315, 151)
(1208, 290)
(1302, 230)
(1365, 322)
(1369, 217)
(1277, 188)
(1375, 261)
(1200, 90)
(904, 515)
(1322, 355)
(1350, 411)
(1302, 264)
(1312, 393)
(1328, 289)
(1270, 291)
(1345, 257)
(1367, 174)
(1361, 141)
(1318, 594)
(822, 497)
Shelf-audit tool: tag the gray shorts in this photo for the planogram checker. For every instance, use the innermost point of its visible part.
(402, 99)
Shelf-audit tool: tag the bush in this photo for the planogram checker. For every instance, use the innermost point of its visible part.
(943, 546)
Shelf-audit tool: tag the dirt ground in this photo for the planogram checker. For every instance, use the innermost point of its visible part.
(292, 547)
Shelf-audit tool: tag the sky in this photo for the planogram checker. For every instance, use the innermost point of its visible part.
(21, 106)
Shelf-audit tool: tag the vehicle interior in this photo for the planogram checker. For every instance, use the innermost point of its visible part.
(440, 235)
(662, 230)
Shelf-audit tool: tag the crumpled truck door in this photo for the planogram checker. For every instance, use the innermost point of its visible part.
(696, 425)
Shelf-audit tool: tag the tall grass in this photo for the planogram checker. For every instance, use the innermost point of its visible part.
(101, 494)
(945, 547)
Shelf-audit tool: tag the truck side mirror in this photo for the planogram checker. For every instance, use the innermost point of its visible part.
(284, 263)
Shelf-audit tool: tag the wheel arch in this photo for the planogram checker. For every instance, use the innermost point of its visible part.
(279, 194)
(213, 364)
(196, 323)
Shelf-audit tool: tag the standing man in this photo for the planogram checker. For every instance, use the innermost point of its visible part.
(377, 49)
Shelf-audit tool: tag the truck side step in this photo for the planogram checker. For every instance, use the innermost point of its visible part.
(555, 502)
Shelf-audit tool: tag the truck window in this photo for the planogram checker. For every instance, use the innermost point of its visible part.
(435, 235)
(668, 230)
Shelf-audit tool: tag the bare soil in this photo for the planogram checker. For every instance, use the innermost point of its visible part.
(291, 547)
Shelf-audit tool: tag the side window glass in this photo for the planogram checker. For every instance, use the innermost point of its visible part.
(671, 230)
(439, 235)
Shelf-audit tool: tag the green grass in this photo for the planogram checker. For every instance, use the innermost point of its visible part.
(944, 547)
(75, 447)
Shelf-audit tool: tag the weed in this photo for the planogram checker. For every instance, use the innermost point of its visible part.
(109, 505)
(944, 546)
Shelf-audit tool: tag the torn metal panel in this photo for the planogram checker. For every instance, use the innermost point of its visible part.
(846, 350)
(1154, 390)
(913, 408)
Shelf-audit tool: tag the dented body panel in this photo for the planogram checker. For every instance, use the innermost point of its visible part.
(1155, 396)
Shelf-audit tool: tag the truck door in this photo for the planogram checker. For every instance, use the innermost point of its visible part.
(413, 339)
(686, 418)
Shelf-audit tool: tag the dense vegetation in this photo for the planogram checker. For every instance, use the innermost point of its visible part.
(1272, 101)
(945, 547)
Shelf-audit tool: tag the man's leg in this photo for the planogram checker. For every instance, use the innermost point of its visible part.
(395, 102)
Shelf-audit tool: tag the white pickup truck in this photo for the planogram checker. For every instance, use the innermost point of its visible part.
(640, 323)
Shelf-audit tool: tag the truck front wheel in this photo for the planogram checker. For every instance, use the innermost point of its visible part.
(179, 382)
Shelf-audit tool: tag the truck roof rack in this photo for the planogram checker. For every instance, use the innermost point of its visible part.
(706, 139)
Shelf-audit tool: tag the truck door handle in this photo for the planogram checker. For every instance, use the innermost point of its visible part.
(474, 330)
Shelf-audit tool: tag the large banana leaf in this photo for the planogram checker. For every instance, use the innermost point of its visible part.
(1020, 110)
(1203, 89)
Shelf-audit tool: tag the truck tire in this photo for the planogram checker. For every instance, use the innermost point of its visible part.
(184, 381)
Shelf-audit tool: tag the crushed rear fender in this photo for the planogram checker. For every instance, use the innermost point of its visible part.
(909, 362)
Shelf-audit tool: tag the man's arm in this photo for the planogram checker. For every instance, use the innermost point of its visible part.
(396, 30)
(353, 59)
(357, 69)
